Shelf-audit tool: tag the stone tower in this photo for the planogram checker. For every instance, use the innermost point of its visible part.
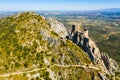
(75, 32)
(76, 28)
(73, 29)
(85, 33)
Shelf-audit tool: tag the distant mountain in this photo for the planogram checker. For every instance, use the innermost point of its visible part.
(110, 10)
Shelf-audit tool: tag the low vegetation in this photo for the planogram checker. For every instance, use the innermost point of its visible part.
(29, 49)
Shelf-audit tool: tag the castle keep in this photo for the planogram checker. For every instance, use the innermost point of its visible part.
(80, 37)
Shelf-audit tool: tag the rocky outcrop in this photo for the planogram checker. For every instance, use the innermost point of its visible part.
(57, 27)
(80, 37)
(110, 64)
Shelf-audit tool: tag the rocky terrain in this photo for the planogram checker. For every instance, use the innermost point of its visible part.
(79, 35)
(35, 48)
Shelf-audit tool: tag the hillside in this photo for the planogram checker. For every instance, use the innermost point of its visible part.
(32, 49)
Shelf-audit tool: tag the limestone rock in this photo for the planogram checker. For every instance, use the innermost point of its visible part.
(110, 64)
(82, 39)
(58, 27)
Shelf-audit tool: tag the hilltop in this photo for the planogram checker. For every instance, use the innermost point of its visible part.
(33, 47)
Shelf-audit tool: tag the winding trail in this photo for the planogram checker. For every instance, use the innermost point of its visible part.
(20, 72)
(38, 69)
(82, 66)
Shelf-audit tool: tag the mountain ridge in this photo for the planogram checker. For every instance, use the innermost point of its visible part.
(31, 46)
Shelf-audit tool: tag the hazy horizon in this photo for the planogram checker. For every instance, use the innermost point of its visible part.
(22, 5)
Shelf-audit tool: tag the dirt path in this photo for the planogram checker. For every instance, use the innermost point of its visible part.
(65, 66)
(20, 72)
(90, 67)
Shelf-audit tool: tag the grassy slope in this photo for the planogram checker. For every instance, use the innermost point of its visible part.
(23, 48)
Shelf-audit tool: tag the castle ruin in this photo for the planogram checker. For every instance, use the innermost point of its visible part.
(80, 37)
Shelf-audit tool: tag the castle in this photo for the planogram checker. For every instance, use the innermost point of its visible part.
(80, 37)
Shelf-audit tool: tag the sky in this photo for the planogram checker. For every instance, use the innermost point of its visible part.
(8, 5)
